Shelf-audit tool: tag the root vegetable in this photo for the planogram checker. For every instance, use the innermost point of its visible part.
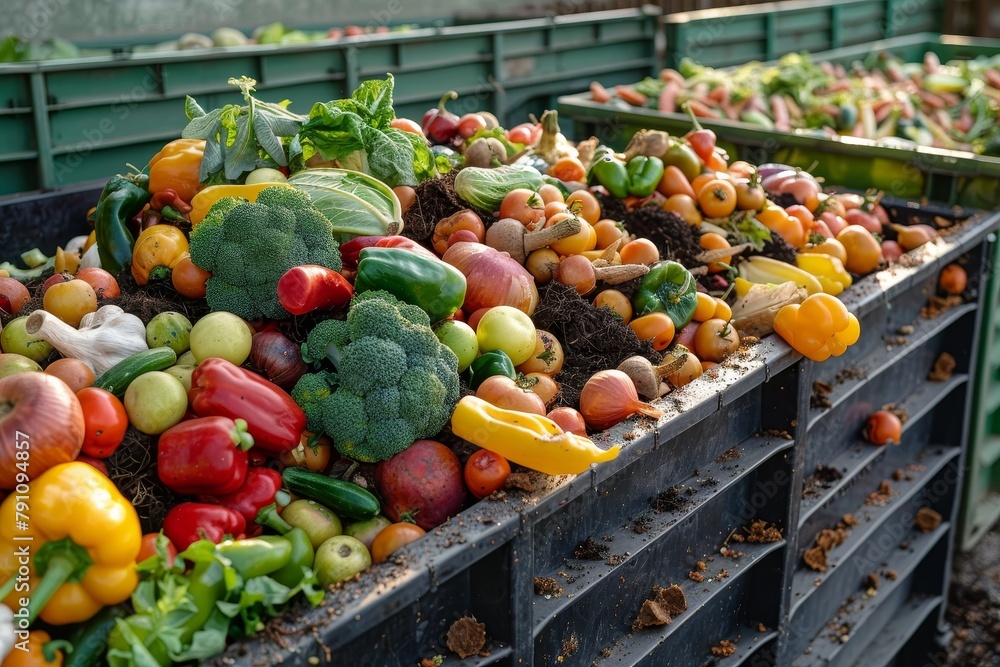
(648, 379)
(510, 236)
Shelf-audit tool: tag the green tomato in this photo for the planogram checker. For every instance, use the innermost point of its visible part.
(365, 531)
(186, 359)
(222, 335)
(182, 373)
(16, 340)
(461, 339)
(169, 329)
(339, 559)
(508, 329)
(11, 364)
(318, 522)
(155, 401)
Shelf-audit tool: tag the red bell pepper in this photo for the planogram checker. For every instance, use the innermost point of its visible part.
(207, 456)
(258, 491)
(220, 388)
(303, 289)
(187, 523)
(350, 251)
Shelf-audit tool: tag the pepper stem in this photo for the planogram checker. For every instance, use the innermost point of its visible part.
(159, 272)
(242, 439)
(450, 95)
(8, 586)
(694, 119)
(57, 562)
(268, 516)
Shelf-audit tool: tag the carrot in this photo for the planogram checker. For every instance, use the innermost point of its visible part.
(599, 93)
(631, 95)
(894, 72)
(793, 109)
(950, 99)
(993, 77)
(882, 109)
(931, 62)
(733, 111)
(839, 72)
(667, 102)
(931, 100)
(779, 111)
(671, 75)
(720, 94)
(700, 109)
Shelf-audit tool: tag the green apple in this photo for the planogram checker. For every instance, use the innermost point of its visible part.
(155, 401)
(461, 339)
(340, 558)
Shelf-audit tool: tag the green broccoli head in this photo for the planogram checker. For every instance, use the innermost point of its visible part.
(395, 382)
(310, 392)
(248, 247)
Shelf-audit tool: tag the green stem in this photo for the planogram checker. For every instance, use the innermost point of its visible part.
(8, 586)
(694, 119)
(60, 568)
(268, 516)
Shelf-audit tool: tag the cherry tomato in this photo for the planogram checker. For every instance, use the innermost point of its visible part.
(883, 427)
(13, 295)
(690, 370)
(523, 205)
(656, 327)
(147, 548)
(407, 125)
(544, 386)
(640, 251)
(407, 196)
(104, 284)
(393, 538)
(722, 310)
(590, 209)
(717, 198)
(550, 193)
(568, 170)
(485, 472)
(469, 124)
(749, 197)
(716, 339)
(569, 420)
(705, 310)
(70, 301)
(616, 301)
(684, 206)
(674, 182)
(608, 231)
(105, 422)
(188, 279)
(779, 222)
(501, 391)
(953, 279)
(575, 244)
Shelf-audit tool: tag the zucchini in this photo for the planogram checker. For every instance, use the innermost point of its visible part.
(346, 499)
(117, 378)
(90, 642)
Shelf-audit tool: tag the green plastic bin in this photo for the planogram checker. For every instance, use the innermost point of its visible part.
(71, 122)
(933, 174)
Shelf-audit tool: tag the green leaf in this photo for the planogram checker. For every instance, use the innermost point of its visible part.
(268, 140)
(207, 642)
(355, 204)
(192, 109)
(242, 155)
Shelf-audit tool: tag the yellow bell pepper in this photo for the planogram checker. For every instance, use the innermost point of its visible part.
(66, 262)
(157, 251)
(758, 269)
(819, 327)
(77, 536)
(178, 167)
(828, 270)
(530, 440)
(204, 200)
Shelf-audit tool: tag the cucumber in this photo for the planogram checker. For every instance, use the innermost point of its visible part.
(344, 498)
(117, 378)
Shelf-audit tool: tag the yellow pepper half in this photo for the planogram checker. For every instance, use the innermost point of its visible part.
(78, 537)
(759, 269)
(829, 271)
(530, 440)
(819, 327)
(204, 200)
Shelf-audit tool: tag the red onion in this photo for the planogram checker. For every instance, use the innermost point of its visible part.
(494, 278)
(278, 358)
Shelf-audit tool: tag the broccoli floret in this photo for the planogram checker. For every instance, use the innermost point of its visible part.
(248, 247)
(395, 382)
(310, 392)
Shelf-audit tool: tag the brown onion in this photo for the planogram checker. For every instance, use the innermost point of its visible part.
(569, 420)
(494, 278)
(277, 357)
(610, 397)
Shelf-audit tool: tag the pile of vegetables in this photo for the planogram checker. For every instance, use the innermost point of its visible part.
(955, 105)
(329, 383)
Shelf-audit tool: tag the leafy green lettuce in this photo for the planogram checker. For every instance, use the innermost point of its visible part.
(356, 134)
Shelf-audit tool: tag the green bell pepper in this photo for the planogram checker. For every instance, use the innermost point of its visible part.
(668, 288)
(644, 174)
(122, 198)
(433, 286)
(302, 549)
(257, 556)
(610, 172)
(494, 362)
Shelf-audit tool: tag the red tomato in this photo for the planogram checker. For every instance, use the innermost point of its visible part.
(485, 472)
(406, 125)
(147, 548)
(105, 422)
(97, 464)
(394, 537)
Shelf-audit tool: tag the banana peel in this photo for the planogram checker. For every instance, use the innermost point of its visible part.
(759, 303)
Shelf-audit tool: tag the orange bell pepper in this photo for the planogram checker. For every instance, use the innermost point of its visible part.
(157, 251)
(77, 535)
(34, 656)
(178, 166)
(819, 327)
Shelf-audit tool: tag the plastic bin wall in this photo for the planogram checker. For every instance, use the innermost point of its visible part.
(76, 121)
(559, 573)
(722, 37)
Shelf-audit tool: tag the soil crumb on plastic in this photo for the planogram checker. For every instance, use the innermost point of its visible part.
(651, 614)
(762, 532)
(822, 479)
(570, 646)
(872, 581)
(641, 525)
(724, 649)
(466, 637)
(669, 500)
(728, 455)
(432, 662)
(521, 481)
(897, 410)
(850, 372)
(820, 397)
(815, 558)
(927, 520)
(665, 604)
(672, 598)
(591, 550)
(826, 541)
(937, 305)
(943, 368)
(547, 586)
(880, 496)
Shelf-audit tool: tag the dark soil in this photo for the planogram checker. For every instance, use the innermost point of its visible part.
(593, 339)
(591, 550)
(466, 637)
(943, 368)
(822, 479)
(762, 532)
(436, 199)
(675, 238)
(669, 501)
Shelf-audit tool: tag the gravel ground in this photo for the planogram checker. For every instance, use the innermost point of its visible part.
(974, 604)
